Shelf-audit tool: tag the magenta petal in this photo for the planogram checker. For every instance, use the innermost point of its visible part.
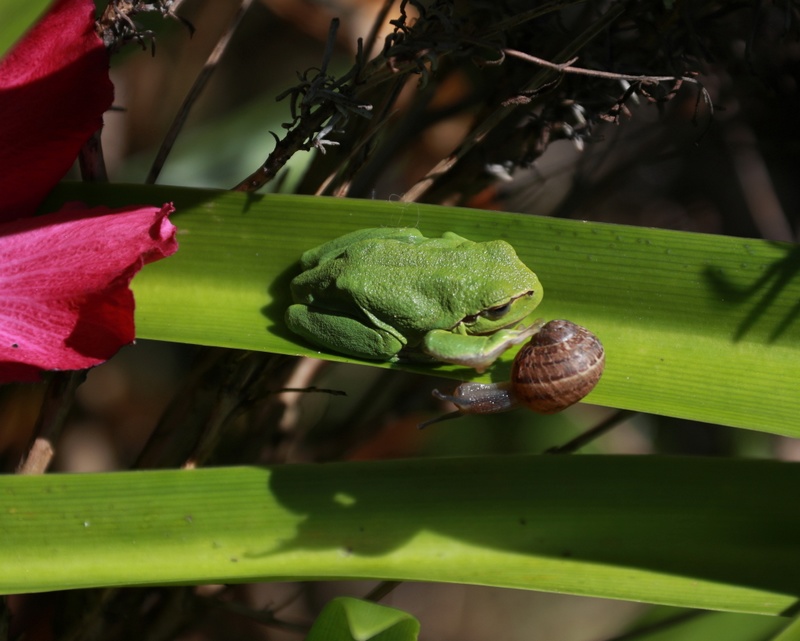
(54, 88)
(64, 281)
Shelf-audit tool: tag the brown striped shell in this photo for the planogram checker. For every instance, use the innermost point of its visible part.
(558, 367)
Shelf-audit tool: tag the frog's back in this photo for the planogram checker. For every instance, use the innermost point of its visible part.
(334, 248)
(427, 285)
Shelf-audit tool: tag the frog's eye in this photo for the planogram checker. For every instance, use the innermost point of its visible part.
(496, 313)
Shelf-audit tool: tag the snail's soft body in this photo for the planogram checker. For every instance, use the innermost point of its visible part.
(559, 366)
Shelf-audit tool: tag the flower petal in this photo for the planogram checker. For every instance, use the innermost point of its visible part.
(64, 280)
(54, 88)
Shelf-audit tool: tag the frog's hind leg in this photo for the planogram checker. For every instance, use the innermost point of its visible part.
(342, 333)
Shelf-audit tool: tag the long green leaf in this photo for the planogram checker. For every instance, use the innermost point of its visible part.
(695, 326)
(703, 533)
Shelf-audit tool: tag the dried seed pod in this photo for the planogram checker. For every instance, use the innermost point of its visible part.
(558, 367)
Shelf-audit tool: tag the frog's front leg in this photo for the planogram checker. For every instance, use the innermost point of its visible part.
(475, 351)
(341, 333)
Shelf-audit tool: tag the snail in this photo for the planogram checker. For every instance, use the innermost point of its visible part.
(558, 367)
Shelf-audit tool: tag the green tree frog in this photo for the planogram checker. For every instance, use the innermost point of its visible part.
(391, 293)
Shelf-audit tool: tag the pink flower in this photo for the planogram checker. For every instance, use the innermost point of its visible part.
(64, 276)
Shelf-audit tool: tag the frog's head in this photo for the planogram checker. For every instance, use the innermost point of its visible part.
(502, 292)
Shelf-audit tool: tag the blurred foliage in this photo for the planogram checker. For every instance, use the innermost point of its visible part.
(16, 18)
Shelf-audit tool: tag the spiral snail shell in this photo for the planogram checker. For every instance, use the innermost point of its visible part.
(558, 367)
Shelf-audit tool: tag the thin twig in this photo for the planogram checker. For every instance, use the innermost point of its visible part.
(306, 125)
(594, 433)
(380, 18)
(264, 617)
(58, 401)
(40, 455)
(639, 81)
(312, 389)
(500, 114)
(567, 67)
(194, 93)
(381, 590)
(116, 27)
(756, 184)
(239, 388)
(91, 160)
(518, 19)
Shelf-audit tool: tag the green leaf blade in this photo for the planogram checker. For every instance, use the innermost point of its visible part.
(695, 326)
(701, 533)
